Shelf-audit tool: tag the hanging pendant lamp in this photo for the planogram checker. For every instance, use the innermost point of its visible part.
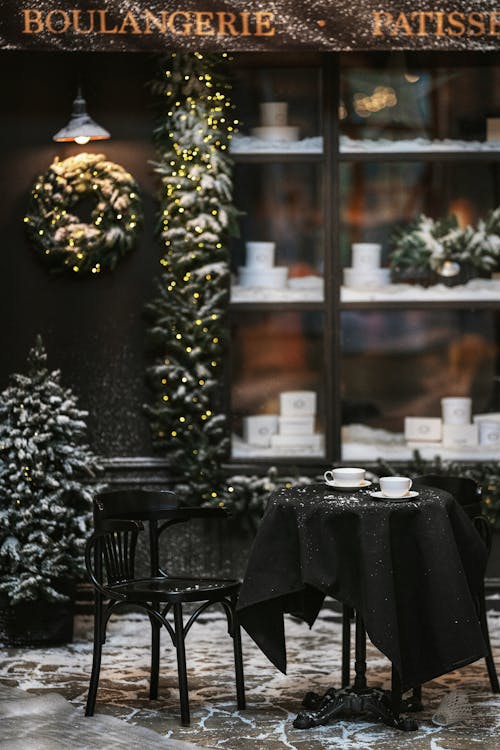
(81, 128)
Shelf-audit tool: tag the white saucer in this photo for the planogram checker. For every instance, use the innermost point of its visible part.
(399, 499)
(349, 487)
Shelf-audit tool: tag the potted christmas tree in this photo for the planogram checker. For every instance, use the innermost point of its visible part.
(46, 484)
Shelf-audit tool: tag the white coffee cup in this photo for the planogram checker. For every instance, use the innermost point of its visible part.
(395, 486)
(456, 410)
(345, 476)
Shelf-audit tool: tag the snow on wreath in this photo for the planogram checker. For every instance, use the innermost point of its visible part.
(60, 237)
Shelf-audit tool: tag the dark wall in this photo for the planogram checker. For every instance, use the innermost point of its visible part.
(93, 326)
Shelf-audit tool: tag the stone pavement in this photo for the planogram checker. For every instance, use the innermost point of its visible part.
(273, 699)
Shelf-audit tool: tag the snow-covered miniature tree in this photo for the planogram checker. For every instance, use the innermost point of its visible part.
(430, 243)
(46, 474)
(188, 333)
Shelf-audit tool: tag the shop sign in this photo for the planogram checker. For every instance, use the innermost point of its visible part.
(239, 25)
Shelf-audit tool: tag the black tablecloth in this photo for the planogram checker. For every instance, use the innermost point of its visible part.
(411, 569)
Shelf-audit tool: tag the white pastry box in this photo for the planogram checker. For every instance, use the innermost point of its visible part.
(426, 429)
(296, 425)
(489, 432)
(297, 403)
(258, 429)
(460, 435)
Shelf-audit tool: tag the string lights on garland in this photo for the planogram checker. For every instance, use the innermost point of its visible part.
(60, 237)
(188, 331)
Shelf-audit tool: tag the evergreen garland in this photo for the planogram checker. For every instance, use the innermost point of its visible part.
(427, 244)
(188, 331)
(45, 471)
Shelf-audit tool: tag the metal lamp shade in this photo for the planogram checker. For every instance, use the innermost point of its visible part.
(81, 128)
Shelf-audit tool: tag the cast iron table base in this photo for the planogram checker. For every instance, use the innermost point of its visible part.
(334, 704)
(359, 700)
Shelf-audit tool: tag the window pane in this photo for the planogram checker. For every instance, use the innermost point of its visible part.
(398, 364)
(281, 203)
(378, 197)
(274, 353)
(299, 88)
(398, 96)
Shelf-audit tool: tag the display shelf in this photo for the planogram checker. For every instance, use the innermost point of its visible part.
(302, 293)
(418, 148)
(243, 450)
(249, 145)
(363, 443)
(477, 291)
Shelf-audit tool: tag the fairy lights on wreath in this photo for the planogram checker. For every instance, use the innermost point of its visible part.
(60, 237)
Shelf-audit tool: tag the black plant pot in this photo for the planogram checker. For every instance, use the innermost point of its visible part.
(36, 623)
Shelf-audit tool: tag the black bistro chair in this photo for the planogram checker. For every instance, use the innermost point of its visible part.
(110, 561)
(467, 493)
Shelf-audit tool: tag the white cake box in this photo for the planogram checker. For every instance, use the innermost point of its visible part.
(356, 278)
(276, 133)
(456, 410)
(258, 430)
(366, 255)
(297, 403)
(489, 432)
(270, 278)
(298, 442)
(460, 435)
(427, 429)
(259, 255)
(274, 113)
(493, 416)
(296, 425)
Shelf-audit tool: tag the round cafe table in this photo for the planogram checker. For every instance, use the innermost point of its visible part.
(410, 569)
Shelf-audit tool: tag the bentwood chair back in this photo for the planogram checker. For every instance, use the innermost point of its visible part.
(468, 494)
(119, 519)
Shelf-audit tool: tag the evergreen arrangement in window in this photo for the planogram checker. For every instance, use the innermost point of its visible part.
(188, 331)
(46, 475)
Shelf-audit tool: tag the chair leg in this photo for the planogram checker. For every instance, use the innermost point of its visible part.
(238, 663)
(155, 659)
(96, 656)
(490, 664)
(181, 664)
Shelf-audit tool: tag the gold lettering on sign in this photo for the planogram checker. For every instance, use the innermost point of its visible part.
(76, 21)
(57, 21)
(100, 21)
(438, 23)
(129, 22)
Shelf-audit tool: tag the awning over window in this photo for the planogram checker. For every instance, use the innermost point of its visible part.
(249, 25)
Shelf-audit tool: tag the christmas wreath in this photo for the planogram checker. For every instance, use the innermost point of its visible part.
(108, 193)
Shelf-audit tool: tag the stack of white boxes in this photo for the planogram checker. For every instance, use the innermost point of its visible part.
(458, 432)
(296, 422)
(259, 270)
(365, 272)
(453, 429)
(292, 430)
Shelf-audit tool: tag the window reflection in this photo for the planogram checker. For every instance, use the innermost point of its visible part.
(401, 363)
